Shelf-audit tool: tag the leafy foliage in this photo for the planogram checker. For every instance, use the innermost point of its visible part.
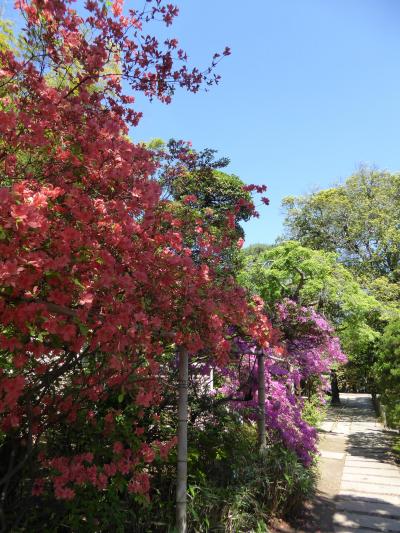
(387, 368)
(231, 487)
(315, 278)
(203, 192)
(359, 220)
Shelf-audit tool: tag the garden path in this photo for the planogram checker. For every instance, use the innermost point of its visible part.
(358, 471)
(359, 486)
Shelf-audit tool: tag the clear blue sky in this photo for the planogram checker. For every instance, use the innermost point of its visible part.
(311, 90)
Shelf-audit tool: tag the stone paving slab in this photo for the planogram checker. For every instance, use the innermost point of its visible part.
(360, 486)
(368, 478)
(367, 462)
(367, 452)
(364, 506)
(386, 471)
(356, 520)
(375, 498)
(371, 466)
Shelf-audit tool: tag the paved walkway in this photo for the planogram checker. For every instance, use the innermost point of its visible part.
(359, 488)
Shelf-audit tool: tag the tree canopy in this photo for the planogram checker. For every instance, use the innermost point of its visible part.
(360, 221)
(318, 279)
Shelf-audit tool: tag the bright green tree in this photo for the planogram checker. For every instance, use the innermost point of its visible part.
(6, 35)
(360, 221)
(317, 278)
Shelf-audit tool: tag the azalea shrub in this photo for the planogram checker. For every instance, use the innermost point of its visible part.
(300, 362)
(98, 285)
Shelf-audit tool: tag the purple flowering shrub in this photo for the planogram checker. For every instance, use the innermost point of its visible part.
(307, 351)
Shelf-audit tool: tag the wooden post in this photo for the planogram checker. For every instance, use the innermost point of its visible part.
(181, 484)
(262, 440)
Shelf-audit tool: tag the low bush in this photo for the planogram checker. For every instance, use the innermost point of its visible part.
(314, 410)
(232, 488)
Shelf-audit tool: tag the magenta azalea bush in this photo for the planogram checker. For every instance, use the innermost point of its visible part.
(307, 351)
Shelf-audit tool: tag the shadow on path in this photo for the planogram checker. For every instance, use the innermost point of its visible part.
(323, 514)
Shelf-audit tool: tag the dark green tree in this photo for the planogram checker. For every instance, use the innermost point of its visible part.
(387, 370)
(200, 190)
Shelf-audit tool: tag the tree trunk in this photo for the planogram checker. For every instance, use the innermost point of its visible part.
(335, 399)
(262, 441)
(181, 486)
(291, 386)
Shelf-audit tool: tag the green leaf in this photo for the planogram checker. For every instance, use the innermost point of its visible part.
(78, 283)
(121, 397)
